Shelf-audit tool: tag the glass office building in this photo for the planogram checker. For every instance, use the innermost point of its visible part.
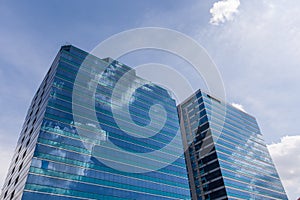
(53, 161)
(225, 152)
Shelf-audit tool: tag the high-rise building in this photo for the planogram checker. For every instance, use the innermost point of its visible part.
(62, 155)
(226, 155)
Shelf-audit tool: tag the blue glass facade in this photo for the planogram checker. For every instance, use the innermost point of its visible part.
(52, 160)
(225, 152)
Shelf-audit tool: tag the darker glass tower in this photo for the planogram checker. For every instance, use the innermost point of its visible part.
(67, 155)
(225, 153)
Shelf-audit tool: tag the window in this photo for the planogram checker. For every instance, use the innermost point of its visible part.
(13, 170)
(12, 195)
(9, 182)
(28, 142)
(19, 148)
(40, 102)
(31, 131)
(23, 139)
(20, 167)
(26, 129)
(43, 92)
(16, 160)
(16, 181)
(37, 111)
(24, 154)
(30, 112)
(34, 121)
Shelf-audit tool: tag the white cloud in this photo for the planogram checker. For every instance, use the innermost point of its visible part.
(238, 106)
(286, 157)
(258, 56)
(223, 10)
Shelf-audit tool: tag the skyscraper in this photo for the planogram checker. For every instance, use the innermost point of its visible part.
(225, 153)
(70, 148)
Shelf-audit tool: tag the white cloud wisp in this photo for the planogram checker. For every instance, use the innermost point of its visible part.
(238, 106)
(286, 157)
(223, 10)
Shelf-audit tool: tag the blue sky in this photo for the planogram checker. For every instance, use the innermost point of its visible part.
(255, 44)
